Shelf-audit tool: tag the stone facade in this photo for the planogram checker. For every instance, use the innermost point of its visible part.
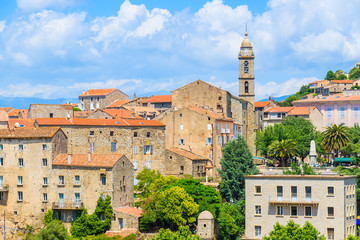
(206, 226)
(126, 218)
(327, 202)
(50, 111)
(100, 98)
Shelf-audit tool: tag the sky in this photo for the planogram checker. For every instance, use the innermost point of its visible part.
(58, 48)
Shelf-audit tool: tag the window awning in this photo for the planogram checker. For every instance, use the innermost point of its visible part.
(338, 160)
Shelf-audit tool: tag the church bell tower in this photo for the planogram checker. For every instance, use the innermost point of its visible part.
(246, 71)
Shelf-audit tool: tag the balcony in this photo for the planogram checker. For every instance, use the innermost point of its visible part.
(4, 188)
(67, 205)
(287, 202)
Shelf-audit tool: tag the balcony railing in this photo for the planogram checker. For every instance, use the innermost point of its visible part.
(4, 188)
(67, 205)
(297, 201)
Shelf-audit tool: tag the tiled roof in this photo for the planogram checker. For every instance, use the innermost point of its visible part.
(117, 103)
(27, 123)
(97, 122)
(122, 233)
(138, 109)
(4, 116)
(87, 160)
(262, 104)
(6, 109)
(82, 114)
(332, 98)
(47, 132)
(208, 112)
(122, 113)
(64, 106)
(98, 92)
(300, 111)
(279, 110)
(187, 154)
(158, 99)
(130, 210)
(342, 81)
(16, 112)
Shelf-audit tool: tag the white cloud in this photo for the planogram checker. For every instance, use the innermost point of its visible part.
(33, 5)
(2, 25)
(22, 58)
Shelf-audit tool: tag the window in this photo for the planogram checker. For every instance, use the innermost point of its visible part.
(51, 115)
(136, 150)
(227, 139)
(329, 113)
(279, 190)
(21, 147)
(45, 197)
(113, 147)
(98, 99)
(148, 164)
(148, 134)
(330, 191)
(103, 179)
(91, 99)
(308, 211)
(293, 211)
(45, 181)
(257, 210)
(258, 231)
(92, 147)
(1, 162)
(180, 115)
(44, 146)
(279, 210)
(20, 180)
(21, 162)
(219, 140)
(1, 147)
(209, 126)
(77, 200)
(92, 133)
(111, 133)
(330, 211)
(308, 193)
(181, 127)
(246, 67)
(44, 162)
(293, 193)
(20, 195)
(257, 189)
(356, 112)
(61, 180)
(135, 134)
(246, 87)
(77, 180)
(181, 169)
(135, 164)
(208, 141)
(342, 112)
(148, 149)
(2, 196)
(330, 233)
(181, 141)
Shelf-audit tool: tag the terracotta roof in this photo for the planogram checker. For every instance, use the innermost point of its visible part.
(332, 98)
(122, 113)
(26, 123)
(117, 103)
(96, 160)
(6, 109)
(82, 114)
(300, 111)
(262, 104)
(279, 110)
(158, 99)
(97, 122)
(130, 210)
(187, 154)
(16, 112)
(98, 92)
(4, 116)
(342, 81)
(47, 132)
(208, 112)
(138, 109)
(122, 233)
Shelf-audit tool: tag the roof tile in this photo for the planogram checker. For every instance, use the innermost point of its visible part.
(130, 210)
(159, 99)
(98, 92)
(44, 132)
(96, 160)
(187, 154)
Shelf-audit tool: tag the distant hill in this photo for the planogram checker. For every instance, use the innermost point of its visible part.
(276, 99)
(24, 103)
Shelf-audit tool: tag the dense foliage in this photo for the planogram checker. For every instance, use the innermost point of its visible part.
(354, 73)
(182, 234)
(232, 221)
(96, 223)
(304, 90)
(297, 170)
(283, 150)
(293, 231)
(237, 162)
(55, 230)
(335, 137)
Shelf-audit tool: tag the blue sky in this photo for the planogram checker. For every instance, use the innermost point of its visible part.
(57, 48)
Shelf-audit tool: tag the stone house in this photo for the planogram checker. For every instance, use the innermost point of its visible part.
(50, 111)
(337, 86)
(328, 202)
(260, 108)
(144, 112)
(100, 98)
(206, 226)
(180, 162)
(18, 113)
(159, 102)
(113, 113)
(126, 218)
(142, 141)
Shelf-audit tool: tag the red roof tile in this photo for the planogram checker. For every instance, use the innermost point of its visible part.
(98, 92)
(16, 112)
(332, 98)
(122, 113)
(300, 111)
(26, 123)
(6, 109)
(47, 132)
(158, 99)
(97, 122)
(279, 110)
(96, 160)
(342, 81)
(82, 114)
(187, 154)
(130, 210)
(117, 103)
(262, 104)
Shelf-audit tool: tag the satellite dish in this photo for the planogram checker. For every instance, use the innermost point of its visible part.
(17, 125)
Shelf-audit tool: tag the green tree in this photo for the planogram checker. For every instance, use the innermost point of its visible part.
(330, 75)
(232, 221)
(266, 137)
(355, 87)
(49, 217)
(284, 150)
(182, 234)
(293, 231)
(53, 231)
(176, 207)
(76, 109)
(335, 137)
(354, 73)
(296, 170)
(340, 75)
(237, 162)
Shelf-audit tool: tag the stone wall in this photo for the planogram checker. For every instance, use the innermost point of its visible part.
(88, 103)
(50, 111)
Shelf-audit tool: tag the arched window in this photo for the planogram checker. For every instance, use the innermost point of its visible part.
(246, 87)
(246, 67)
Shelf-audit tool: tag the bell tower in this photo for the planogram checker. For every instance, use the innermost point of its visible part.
(246, 71)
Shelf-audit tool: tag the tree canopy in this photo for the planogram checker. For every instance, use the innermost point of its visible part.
(55, 230)
(232, 221)
(182, 234)
(330, 75)
(284, 149)
(354, 73)
(335, 137)
(297, 170)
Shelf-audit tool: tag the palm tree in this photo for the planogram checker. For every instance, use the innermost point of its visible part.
(335, 137)
(284, 149)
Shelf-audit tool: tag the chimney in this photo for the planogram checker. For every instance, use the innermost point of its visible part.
(89, 157)
(69, 158)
